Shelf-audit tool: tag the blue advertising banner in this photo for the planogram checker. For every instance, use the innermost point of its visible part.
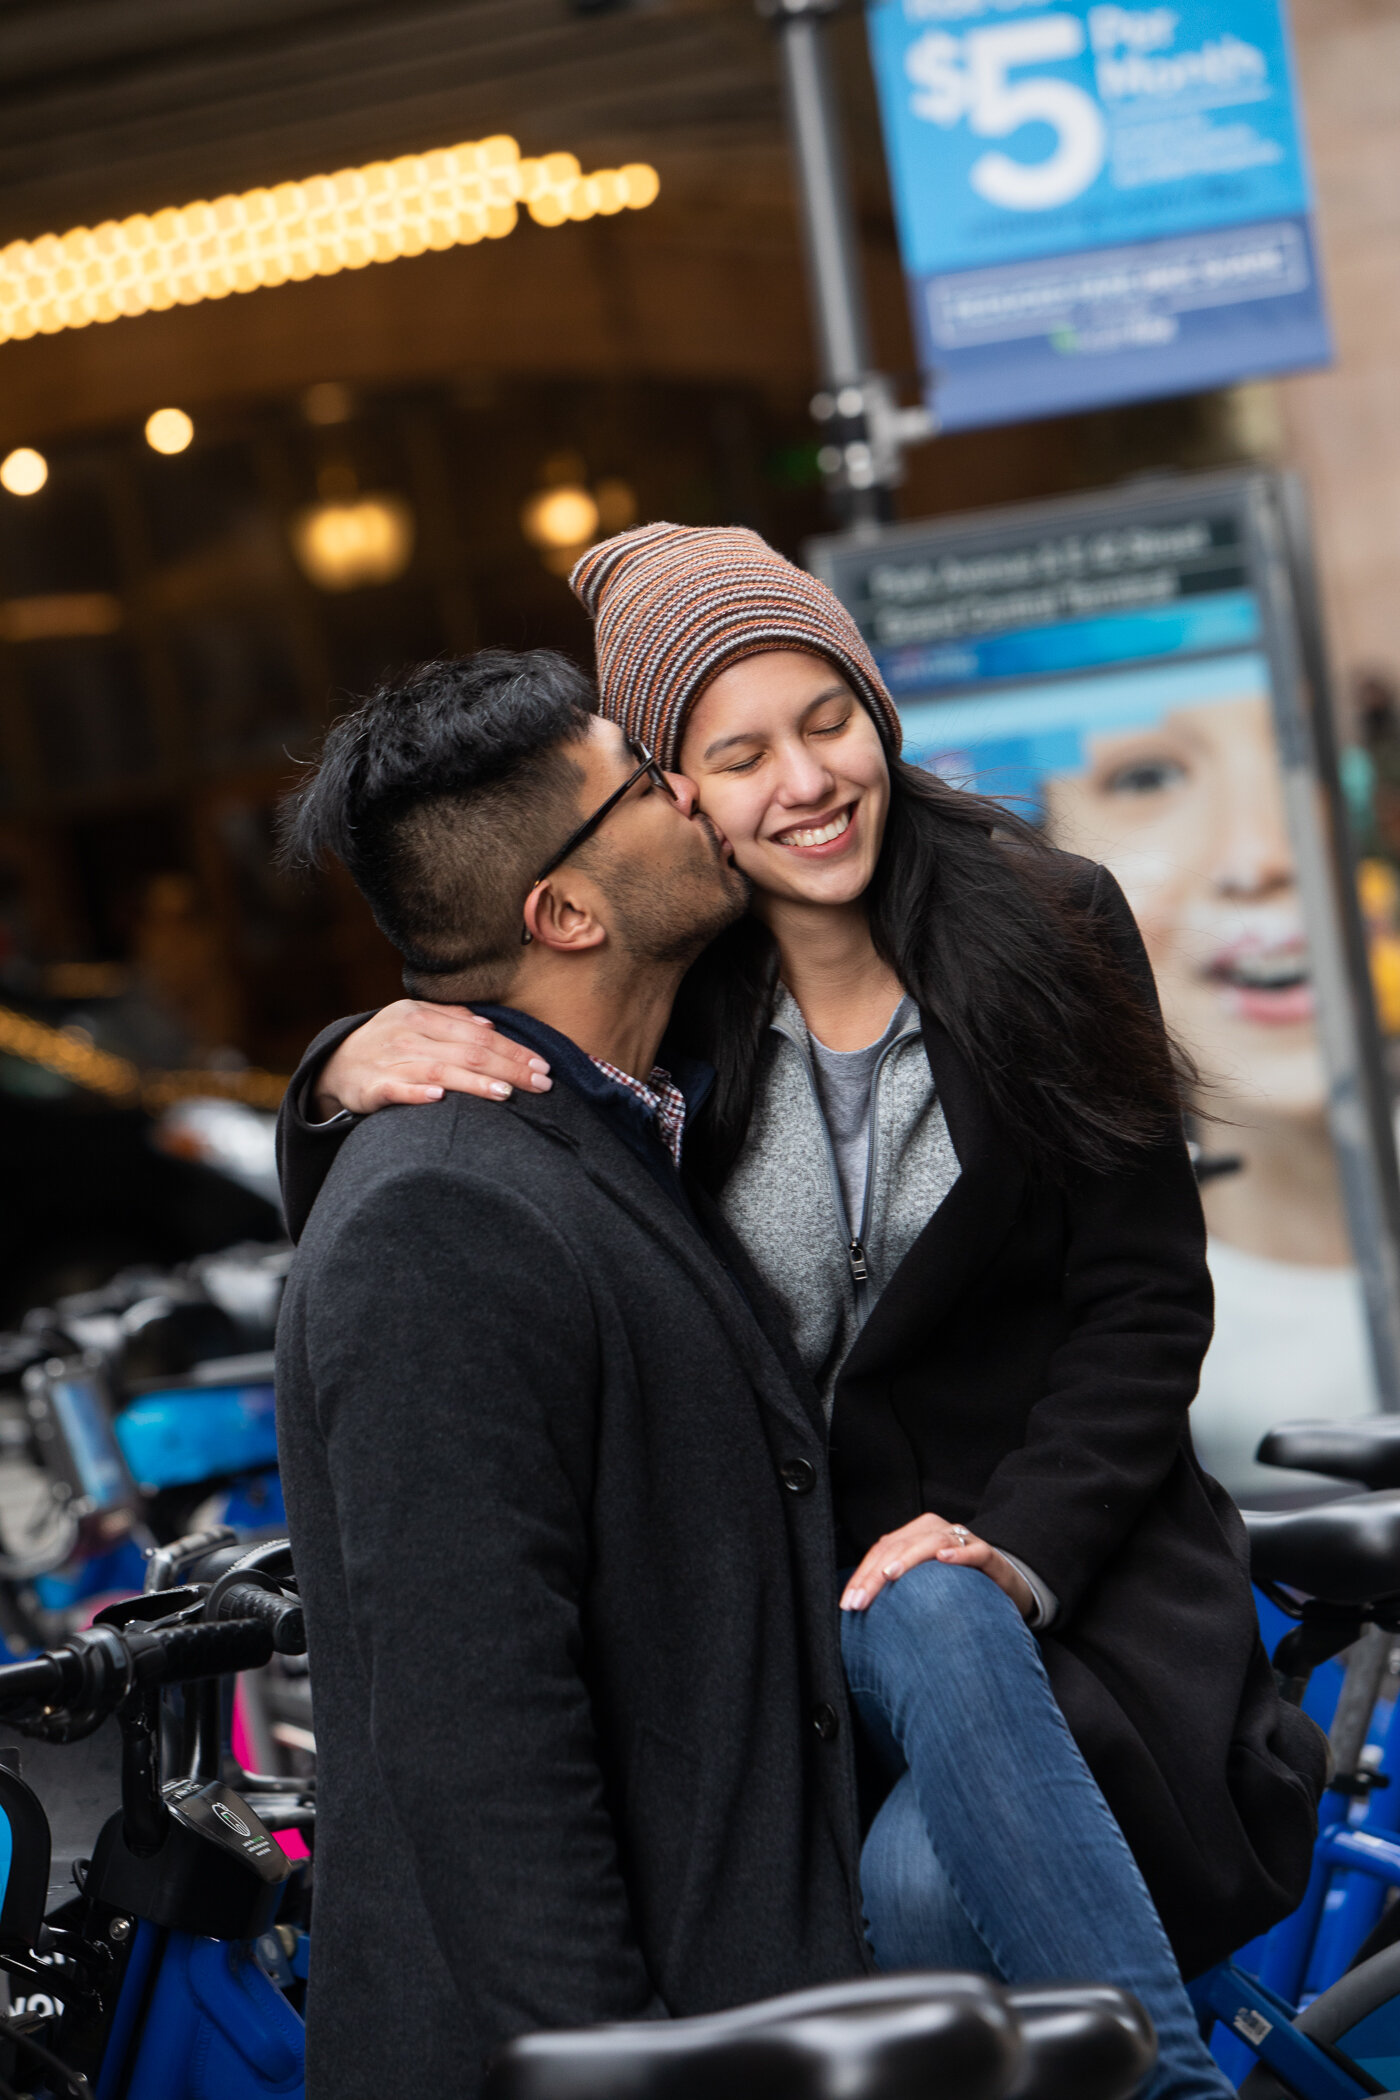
(1096, 203)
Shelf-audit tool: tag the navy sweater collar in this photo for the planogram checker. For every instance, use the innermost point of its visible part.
(627, 1115)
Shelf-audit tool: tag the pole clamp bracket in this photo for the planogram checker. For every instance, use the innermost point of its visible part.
(792, 10)
(866, 433)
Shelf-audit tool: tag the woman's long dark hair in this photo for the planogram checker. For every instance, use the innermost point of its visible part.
(980, 920)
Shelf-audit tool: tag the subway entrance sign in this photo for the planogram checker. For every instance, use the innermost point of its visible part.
(1096, 203)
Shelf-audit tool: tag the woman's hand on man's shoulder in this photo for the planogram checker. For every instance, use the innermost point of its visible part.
(414, 1052)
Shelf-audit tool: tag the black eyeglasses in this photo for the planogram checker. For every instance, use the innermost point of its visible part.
(645, 764)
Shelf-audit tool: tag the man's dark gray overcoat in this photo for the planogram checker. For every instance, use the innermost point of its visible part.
(563, 1532)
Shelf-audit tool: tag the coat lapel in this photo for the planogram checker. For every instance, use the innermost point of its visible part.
(562, 1114)
(766, 1312)
(963, 1233)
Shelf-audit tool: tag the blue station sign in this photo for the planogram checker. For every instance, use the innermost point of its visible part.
(1097, 203)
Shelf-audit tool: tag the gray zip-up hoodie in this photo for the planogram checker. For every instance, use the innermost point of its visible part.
(784, 1198)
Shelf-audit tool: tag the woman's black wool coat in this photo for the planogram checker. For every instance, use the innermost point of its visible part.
(1028, 1372)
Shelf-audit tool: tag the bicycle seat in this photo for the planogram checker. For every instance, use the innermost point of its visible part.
(876, 2038)
(1342, 1552)
(1082, 2038)
(1366, 1449)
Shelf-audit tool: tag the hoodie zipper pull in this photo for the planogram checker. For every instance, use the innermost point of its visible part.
(855, 1254)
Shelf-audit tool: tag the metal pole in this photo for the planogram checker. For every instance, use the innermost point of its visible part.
(824, 197)
(865, 429)
(1360, 1107)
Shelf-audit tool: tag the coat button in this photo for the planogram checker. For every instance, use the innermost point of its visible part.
(799, 1476)
(825, 1722)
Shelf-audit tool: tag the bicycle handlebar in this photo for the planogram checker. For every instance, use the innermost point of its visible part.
(282, 1616)
(91, 1673)
(175, 1654)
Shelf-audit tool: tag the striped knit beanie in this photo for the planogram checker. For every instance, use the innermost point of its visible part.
(674, 605)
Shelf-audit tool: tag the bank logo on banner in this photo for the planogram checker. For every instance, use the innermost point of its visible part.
(1097, 203)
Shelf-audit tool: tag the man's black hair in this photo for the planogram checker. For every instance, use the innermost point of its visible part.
(442, 793)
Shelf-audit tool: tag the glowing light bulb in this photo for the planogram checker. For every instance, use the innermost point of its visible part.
(560, 517)
(345, 545)
(643, 184)
(169, 430)
(24, 471)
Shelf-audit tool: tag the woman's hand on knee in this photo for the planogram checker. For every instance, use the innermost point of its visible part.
(413, 1051)
(933, 1538)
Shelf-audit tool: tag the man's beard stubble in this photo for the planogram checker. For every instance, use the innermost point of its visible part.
(669, 923)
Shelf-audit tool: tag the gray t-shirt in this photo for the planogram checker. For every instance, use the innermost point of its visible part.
(843, 1087)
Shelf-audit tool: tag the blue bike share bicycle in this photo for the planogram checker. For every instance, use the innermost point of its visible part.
(1315, 2007)
(178, 1959)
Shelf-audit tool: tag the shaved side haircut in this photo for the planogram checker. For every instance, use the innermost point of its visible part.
(442, 793)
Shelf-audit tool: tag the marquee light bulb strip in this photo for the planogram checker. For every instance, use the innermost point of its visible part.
(315, 228)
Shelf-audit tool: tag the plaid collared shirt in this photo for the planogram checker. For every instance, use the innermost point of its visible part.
(661, 1095)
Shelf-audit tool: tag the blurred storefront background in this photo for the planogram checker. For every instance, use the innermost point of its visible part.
(374, 466)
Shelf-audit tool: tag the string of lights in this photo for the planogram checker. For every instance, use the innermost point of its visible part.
(70, 1053)
(297, 230)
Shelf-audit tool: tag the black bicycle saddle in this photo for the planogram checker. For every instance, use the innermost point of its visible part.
(1366, 1449)
(1087, 2039)
(1343, 1552)
(878, 2038)
(896, 2037)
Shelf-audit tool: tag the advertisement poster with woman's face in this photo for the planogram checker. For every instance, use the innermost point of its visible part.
(1169, 775)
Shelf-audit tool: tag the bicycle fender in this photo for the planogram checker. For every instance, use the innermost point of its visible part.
(24, 1863)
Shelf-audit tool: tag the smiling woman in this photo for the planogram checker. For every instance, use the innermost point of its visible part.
(791, 768)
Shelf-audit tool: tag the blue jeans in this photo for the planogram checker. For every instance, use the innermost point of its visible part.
(996, 1851)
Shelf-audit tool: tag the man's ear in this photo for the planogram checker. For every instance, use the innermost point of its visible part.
(560, 913)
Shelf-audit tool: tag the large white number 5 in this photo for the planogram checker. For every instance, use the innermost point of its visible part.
(996, 108)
